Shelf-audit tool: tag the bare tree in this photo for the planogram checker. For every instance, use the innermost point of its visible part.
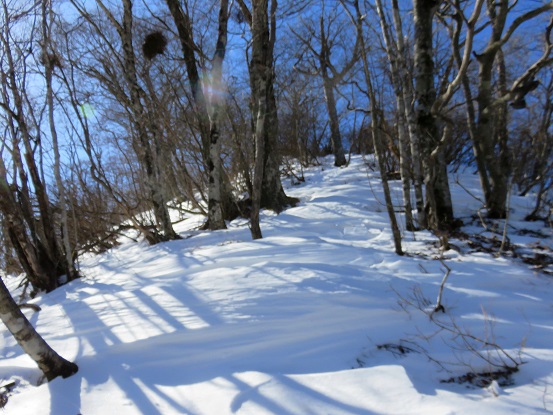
(50, 60)
(261, 70)
(487, 111)
(432, 127)
(438, 206)
(209, 108)
(532, 137)
(376, 123)
(261, 73)
(302, 119)
(316, 59)
(408, 93)
(393, 52)
(144, 131)
(25, 200)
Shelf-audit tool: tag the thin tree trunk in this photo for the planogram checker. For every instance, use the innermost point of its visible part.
(376, 132)
(258, 168)
(380, 156)
(328, 85)
(499, 200)
(49, 362)
(30, 224)
(404, 151)
(36, 268)
(489, 132)
(478, 149)
(140, 116)
(335, 136)
(140, 121)
(408, 100)
(49, 62)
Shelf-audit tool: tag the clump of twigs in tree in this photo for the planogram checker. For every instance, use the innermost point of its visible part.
(50, 59)
(154, 44)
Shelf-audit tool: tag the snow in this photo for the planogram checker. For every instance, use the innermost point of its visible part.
(295, 323)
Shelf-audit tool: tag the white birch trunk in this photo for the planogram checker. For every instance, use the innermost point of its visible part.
(404, 151)
(49, 362)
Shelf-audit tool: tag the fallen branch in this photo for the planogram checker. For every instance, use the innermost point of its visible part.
(31, 306)
(439, 306)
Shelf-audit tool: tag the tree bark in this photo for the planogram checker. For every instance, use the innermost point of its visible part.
(487, 125)
(403, 138)
(273, 196)
(24, 199)
(335, 136)
(408, 101)
(208, 109)
(260, 73)
(376, 118)
(49, 362)
(40, 271)
(438, 206)
(144, 133)
(140, 116)
(321, 65)
(329, 84)
(216, 187)
(49, 64)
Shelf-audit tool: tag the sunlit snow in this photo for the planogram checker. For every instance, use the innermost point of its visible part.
(291, 324)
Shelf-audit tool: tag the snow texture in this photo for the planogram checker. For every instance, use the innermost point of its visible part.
(311, 319)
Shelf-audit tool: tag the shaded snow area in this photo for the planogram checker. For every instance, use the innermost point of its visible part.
(319, 317)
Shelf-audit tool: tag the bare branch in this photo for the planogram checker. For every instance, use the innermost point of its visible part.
(443, 100)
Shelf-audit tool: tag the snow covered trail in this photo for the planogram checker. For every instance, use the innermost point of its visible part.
(219, 324)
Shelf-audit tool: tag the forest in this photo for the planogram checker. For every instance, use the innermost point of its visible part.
(123, 115)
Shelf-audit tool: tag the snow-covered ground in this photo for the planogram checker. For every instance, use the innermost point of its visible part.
(318, 317)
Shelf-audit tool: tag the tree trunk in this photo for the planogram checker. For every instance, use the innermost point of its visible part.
(403, 138)
(376, 132)
(49, 362)
(24, 199)
(408, 100)
(380, 156)
(272, 192)
(216, 218)
(273, 196)
(335, 136)
(40, 271)
(68, 249)
(489, 128)
(260, 72)
(489, 132)
(208, 109)
(498, 203)
(144, 132)
(328, 85)
(438, 207)
(140, 120)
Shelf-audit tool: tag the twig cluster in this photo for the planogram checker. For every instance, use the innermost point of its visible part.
(487, 350)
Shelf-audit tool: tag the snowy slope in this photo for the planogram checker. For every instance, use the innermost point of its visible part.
(295, 323)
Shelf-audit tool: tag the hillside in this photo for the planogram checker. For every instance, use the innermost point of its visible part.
(318, 317)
